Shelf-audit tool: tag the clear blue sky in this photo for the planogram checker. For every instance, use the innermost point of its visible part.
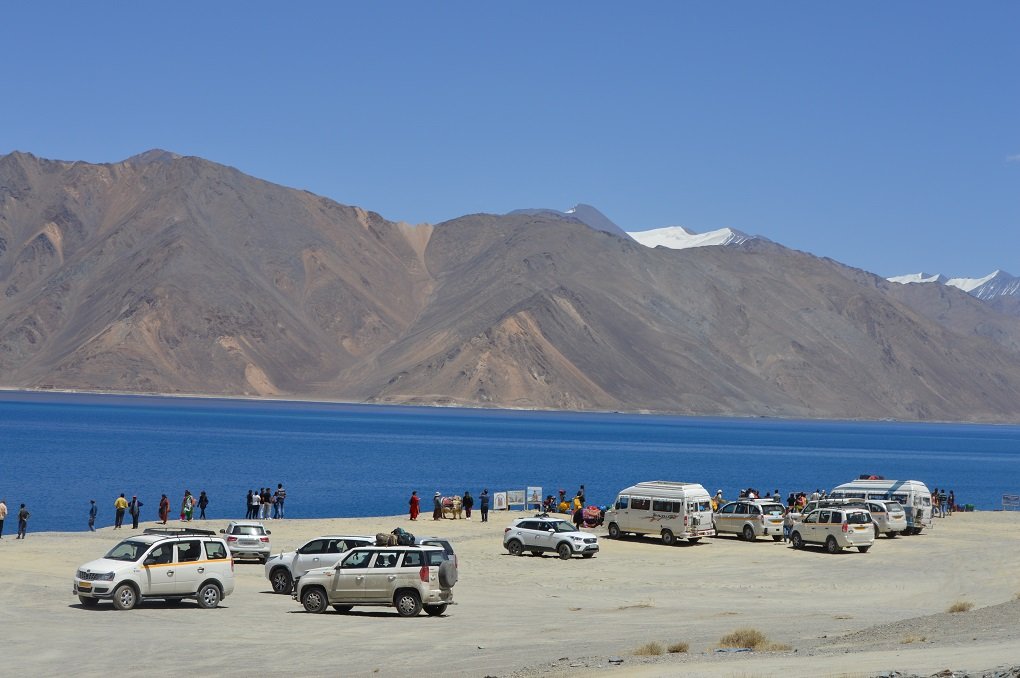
(883, 135)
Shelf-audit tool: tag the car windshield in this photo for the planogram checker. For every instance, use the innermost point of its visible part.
(253, 530)
(128, 551)
(563, 526)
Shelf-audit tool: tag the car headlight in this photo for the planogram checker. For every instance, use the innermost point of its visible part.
(578, 538)
(105, 577)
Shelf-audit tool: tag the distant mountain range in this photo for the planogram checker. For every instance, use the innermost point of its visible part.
(174, 274)
(994, 285)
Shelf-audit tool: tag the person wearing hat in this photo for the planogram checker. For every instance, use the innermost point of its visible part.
(717, 500)
(437, 507)
(93, 512)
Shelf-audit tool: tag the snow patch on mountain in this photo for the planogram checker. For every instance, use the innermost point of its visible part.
(680, 238)
(995, 284)
(919, 278)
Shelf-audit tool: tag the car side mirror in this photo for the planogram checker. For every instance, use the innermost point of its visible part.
(551, 531)
(268, 532)
(223, 531)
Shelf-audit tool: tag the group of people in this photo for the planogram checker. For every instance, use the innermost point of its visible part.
(260, 504)
(467, 503)
(133, 508)
(943, 502)
(23, 516)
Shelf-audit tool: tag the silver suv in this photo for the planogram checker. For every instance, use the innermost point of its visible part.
(284, 568)
(748, 518)
(162, 563)
(408, 578)
(540, 534)
(248, 539)
(836, 528)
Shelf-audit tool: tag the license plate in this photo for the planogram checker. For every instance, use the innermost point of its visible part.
(84, 585)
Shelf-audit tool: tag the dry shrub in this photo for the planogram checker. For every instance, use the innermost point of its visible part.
(649, 649)
(752, 638)
(642, 604)
(960, 606)
(678, 648)
(907, 640)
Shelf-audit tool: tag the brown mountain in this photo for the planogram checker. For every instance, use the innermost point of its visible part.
(178, 275)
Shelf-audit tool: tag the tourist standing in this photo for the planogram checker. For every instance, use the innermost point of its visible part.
(468, 503)
(267, 501)
(256, 502)
(578, 517)
(437, 507)
(164, 508)
(120, 505)
(187, 506)
(952, 502)
(483, 504)
(281, 497)
(23, 516)
(135, 509)
(415, 505)
(3, 516)
(203, 501)
(93, 512)
(580, 493)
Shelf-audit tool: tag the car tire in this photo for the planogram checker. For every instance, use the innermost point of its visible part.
(797, 541)
(209, 596)
(831, 546)
(668, 538)
(906, 532)
(343, 608)
(614, 531)
(748, 533)
(314, 600)
(565, 551)
(863, 549)
(877, 532)
(436, 610)
(515, 547)
(125, 597)
(281, 580)
(407, 602)
(891, 535)
(777, 537)
(86, 601)
(447, 574)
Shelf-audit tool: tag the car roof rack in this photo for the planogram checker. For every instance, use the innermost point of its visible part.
(178, 531)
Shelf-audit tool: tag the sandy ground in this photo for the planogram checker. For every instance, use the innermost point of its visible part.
(849, 614)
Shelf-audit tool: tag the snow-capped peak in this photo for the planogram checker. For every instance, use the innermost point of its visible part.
(995, 284)
(919, 278)
(971, 284)
(679, 238)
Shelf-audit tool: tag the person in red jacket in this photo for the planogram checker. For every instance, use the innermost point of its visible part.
(415, 503)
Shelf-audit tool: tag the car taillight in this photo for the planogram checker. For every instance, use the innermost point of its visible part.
(230, 539)
(846, 527)
(423, 573)
(685, 519)
(264, 540)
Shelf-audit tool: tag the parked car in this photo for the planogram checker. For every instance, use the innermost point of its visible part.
(408, 578)
(835, 528)
(248, 539)
(441, 542)
(748, 518)
(672, 510)
(169, 564)
(889, 517)
(283, 568)
(539, 534)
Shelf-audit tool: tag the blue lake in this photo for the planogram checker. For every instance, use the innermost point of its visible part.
(58, 451)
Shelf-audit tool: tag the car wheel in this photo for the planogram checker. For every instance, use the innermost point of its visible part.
(407, 602)
(877, 532)
(209, 596)
(777, 537)
(748, 533)
(564, 550)
(435, 610)
(515, 548)
(614, 531)
(125, 597)
(906, 532)
(343, 608)
(891, 535)
(863, 549)
(831, 546)
(281, 580)
(798, 543)
(447, 574)
(314, 600)
(668, 538)
(87, 601)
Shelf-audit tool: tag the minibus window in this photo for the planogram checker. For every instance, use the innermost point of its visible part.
(621, 502)
(641, 503)
(662, 505)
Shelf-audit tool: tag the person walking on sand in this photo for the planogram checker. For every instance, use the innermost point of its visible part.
(414, 504)
(93, 512)
(468, 503)
(437, 506)
(3, 516)
(164, 509)
(23, 516)
(135, 509)
(483, 504)
(952, 502)
(120, 505)
(203, 501)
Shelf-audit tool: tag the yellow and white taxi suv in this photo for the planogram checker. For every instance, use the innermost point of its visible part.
(169, 564)
(835, 529)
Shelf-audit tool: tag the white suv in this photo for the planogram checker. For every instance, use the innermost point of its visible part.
(248, 539)
(837, 528)
(747, 518)
(405, 577)
(162, 563)
(284, 568)
(541, 534)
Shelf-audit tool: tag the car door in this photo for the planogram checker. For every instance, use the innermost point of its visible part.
(348, 586)
(380, 577)
(808, 527)
(189, 566)
(725, 518)
(160, 570)
(309, 557)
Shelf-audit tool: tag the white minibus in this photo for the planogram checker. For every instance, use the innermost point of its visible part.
(670, 509)
(913, 495)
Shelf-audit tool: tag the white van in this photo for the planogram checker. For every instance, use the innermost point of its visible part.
(913, 495)
(670, 509)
